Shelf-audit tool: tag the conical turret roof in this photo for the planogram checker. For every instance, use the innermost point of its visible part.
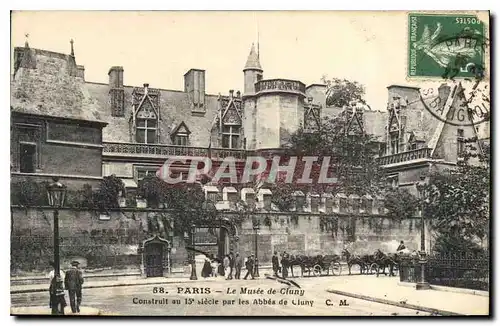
(253, 60)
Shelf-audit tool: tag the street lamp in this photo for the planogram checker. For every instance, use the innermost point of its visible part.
(193, 260)
(422, 284)
(256, 227)
(56, 193)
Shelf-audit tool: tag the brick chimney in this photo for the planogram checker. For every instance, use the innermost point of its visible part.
(116, 91)
(194, 85)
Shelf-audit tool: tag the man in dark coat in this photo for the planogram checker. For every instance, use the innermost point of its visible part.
(276, 263)
(231, 266)
(250, 266)
(401, 246)
(73, 282)
(57, 301)
(238, 264)
(284, 264)
(207, 268)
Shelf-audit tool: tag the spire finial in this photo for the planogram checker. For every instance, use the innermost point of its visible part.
(258, 42)
(72, 50)
(27, 35)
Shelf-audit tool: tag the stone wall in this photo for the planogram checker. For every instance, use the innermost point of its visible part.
(116, 242)
(305, 234)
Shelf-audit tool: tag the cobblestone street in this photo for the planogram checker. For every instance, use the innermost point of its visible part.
(314, 301)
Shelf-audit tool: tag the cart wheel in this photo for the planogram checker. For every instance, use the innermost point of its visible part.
(336, 268)
(317, 270)
(374, 268)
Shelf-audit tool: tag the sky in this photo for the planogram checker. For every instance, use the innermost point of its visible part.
(158, 47)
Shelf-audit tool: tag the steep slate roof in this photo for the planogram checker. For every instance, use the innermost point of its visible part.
(175, 108)
(253, 60)
(374, 123)
(50, 89)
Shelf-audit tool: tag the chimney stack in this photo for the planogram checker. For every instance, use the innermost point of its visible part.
(115, 77)
(116, 91)
(194, 85)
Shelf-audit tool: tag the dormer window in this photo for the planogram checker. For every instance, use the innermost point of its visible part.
(146, 115)
(394, 141)
(230, 136)
(180, 135)
(146, 130)
(181, 139)
(312, 114)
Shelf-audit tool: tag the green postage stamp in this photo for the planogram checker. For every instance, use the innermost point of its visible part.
(445, 45)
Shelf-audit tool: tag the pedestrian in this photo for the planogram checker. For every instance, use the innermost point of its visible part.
(74, 282)
(276, 263)
(401, 246)
(249, 265)
(207, 268)
(238, 264)
(284, 264)
(215, 267)
(231, 265)
(53, 298)
(227, 263)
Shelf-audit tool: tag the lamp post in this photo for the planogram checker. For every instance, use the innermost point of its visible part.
(56, 193)
(193, 260)
(422, 284)
(256, 227)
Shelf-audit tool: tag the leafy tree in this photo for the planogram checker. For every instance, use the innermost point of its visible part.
(109, 190)
(29, 193)
(351, 155)
(457, 204)
(342, 92)
(154, 190)
(400, 204)
(185, 201)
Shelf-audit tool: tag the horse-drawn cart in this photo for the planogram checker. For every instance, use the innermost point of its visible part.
(319, 265)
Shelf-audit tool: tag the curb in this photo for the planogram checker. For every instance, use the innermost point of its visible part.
(450, 289)
(395, 303)
(41, 311)
(97, 286)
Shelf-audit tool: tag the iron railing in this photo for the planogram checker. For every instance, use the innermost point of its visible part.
(463, 270)
(405, 156)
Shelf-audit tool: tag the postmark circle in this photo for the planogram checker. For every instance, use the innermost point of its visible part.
(461, 106)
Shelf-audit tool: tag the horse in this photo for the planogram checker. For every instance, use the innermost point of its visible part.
(384, 260)
(353, 260)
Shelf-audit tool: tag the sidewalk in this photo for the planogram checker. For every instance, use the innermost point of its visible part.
(112, 280)
(29, 288)
(386, 290)
(84, 311)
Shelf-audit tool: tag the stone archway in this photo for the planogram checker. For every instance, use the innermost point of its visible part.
(227, 237)
(156, 257)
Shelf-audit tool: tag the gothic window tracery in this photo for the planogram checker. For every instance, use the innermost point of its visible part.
(312, 116)
(231, 122)
(146, 124)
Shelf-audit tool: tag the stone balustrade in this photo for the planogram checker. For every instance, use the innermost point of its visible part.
(162, 150)
(421, 153)
(280, 85)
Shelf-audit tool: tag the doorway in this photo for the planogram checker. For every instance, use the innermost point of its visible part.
(153, 262)
(27, 158)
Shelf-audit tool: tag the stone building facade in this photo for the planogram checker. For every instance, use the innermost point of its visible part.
(80, 130)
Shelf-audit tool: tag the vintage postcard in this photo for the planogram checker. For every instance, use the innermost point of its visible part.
(244, 163)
